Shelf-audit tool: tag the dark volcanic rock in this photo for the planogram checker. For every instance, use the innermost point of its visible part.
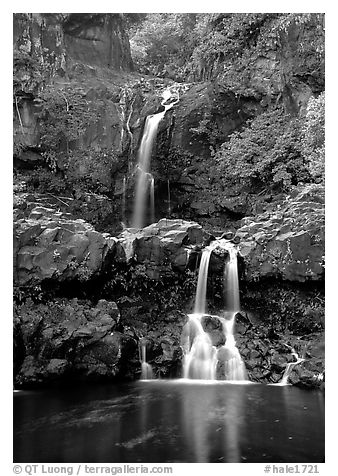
(51, 244)
(95, 39)
(287, 243)
(70, 339)
(164, 247)
(208, 108)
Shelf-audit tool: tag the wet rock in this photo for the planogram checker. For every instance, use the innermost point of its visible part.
(70, 339)
(278, 362)
(56, 367)
(288, 244)
(213, 326)
(28, 160)
(266, 360)
(164, 247)
(49, 243)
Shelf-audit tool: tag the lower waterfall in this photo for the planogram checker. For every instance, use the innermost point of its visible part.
(146, 369)
(203, 360)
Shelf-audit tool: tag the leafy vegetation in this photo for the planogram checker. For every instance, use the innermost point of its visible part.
(203, 45)
(313, 136)
(160, 45)
(170, 165)
(64, 115)
(265, 154)
(296, 309)
(75, 172)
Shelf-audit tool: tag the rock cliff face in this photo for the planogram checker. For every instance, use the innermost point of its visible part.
(60, 39)
(68, 339)
(287, 243)
(206, 115)
(87, 53)
(49, 244)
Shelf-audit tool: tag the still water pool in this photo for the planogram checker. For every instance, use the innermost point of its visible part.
(169, 421)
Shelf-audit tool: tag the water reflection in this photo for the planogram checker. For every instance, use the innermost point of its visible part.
(195, 417)
(233, 420)
(170, 421)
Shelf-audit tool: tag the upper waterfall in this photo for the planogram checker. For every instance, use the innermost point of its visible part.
(145, 181)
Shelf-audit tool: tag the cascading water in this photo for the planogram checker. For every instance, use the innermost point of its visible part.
(231, 286)
(230, 363)
(201, 290)
(203, 360)
(146, 369)
(143, 166)
(289, 367)
(199, 354)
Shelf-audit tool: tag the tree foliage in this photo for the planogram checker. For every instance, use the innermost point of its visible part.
(265, 154)
(161, 44)
(201, 46)
(313, 136)
(64, 115)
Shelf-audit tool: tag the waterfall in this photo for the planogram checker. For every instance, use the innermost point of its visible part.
(203, 360)
(231, 286)
(152, 199)
(289, 367)
(201, 291)
(146, 369)
(143, 166)
(230, 363)
(149, 134)
(199, 353)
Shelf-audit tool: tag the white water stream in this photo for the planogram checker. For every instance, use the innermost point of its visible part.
(203, 360)
(146, 369)
(145, 181)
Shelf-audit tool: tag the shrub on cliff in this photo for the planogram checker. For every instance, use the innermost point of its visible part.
(75, 172)
(225, 42)
(64, 115)
(90, 170)
(160, 44)
(266, 154)
(313, 136)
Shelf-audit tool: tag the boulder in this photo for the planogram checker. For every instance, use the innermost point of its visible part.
(163, 248)
(70, 339)
(49, 244)
(287, 243)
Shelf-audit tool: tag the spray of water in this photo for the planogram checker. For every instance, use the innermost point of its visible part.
(202, 360)
(199, 353)
(146, 369)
